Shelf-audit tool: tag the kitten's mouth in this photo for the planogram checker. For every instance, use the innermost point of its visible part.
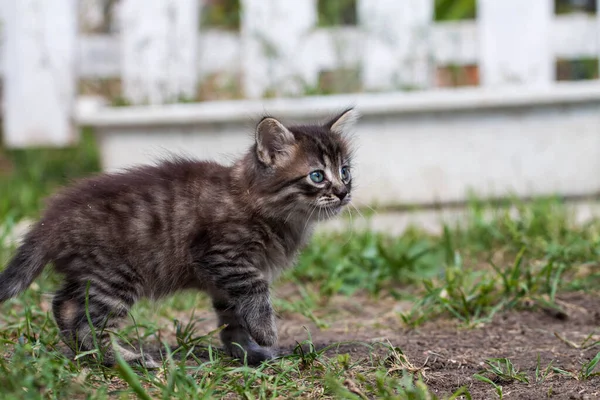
(330, 210)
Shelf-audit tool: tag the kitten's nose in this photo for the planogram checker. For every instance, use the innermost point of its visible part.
(341, 193)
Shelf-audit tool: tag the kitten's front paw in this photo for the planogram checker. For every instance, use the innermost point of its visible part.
(252, 353)
(263, 332)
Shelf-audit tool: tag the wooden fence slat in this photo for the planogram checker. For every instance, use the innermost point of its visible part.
(575, 36)
(159, 50)
(92, 16)
(455, 43)
(515, 45)
(40, 76)
(273, 33)
(397, 53)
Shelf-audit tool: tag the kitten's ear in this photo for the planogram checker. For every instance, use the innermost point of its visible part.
(274, 142)
(344, 122)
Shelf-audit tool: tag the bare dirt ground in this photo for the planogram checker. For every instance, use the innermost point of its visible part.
(450, 356)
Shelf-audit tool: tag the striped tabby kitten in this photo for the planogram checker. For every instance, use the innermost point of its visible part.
(182, 224)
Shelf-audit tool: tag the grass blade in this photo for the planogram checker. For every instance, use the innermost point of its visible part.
(129, 376)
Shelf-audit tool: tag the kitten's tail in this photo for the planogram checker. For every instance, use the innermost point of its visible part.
(25, 266)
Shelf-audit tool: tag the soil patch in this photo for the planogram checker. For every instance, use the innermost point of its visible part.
(451, 356)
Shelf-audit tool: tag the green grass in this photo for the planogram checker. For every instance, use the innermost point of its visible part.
(452, 10)
(34, 368)
(499, 371)
(37, 172)
(498, 258)
(502, 370)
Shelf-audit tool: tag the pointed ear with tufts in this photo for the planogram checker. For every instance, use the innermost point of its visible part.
(343, 123)
(274, 142)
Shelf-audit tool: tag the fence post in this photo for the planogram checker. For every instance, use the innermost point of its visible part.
(40, 76)
(397, 50)
(515, 42)
(159, 50)
(272, 34)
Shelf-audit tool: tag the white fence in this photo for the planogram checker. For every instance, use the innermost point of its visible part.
(161, 54)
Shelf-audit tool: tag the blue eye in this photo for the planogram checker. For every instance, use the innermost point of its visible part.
(346, 174)
(317, 176)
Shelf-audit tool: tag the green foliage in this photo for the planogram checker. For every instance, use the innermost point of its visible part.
(451, 10)
(502, 370)
(578, 69)
(224, 14)
(129, 376)
(38, 369)
(588, 369)
(570, 6)
(345, 263)
(38, 172)
(35, 367)
(337, 12)
(541, 253)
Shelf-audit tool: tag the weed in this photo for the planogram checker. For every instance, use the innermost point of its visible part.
(585, 372)
(500, 371)
(588, 369)
(397, 361)
(543, 375)
(126, 372)
(497, 388)
(587, 343)
(474, 295)
(503, 371)
(368, 261)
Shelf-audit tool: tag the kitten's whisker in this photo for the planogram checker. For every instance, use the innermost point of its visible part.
(308, 219)
(358, 211)
(290, 213)
(350, 216)
(363, 205)
(371, 208)
(351, 228)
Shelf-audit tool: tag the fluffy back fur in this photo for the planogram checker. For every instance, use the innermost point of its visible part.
(152, 230)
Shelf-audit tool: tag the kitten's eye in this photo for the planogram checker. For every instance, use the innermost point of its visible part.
(317, 176)
(346, 174)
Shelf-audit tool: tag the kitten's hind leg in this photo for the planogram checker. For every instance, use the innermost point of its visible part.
(236, 339)
(85, 325)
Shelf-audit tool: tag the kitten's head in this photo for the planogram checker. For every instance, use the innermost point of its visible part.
(305, 170)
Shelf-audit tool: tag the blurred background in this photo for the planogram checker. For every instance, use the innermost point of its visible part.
(459, 97)
(100, 17)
